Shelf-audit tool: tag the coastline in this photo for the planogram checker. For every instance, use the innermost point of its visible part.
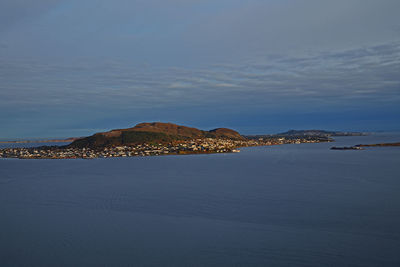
(196, 146)
(69, 140)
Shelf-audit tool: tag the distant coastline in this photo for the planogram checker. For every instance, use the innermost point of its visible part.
(361, 146)
(379, 145)
(68, 140)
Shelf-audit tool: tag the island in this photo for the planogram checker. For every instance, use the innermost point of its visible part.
(347, 148)
(380, 145)
(361, 147)
(156, 138)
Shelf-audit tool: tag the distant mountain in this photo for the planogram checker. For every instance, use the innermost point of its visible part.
(67, 140)
(155, 132)
(313, 134)
(320, 133)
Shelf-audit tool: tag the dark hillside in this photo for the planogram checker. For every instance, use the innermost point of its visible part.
(156, 132)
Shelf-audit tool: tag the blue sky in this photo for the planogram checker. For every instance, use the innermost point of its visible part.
(71, 68)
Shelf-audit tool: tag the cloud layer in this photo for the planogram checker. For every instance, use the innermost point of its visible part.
(68, 64)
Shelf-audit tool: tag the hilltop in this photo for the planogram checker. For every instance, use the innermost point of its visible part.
(155, 132)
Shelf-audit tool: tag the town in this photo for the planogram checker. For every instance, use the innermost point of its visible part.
(195, 146)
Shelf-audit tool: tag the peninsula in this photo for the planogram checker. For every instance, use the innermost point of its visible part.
(321, 133)
(380, 145)
(293, 134)
(157, 138)
(361, 147)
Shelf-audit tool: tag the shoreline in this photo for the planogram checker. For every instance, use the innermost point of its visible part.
(362, 146)
(198, 146)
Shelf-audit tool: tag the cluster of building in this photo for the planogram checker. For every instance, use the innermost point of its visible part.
(196, 146)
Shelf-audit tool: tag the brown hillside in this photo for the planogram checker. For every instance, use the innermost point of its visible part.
(168, 128)
(158, 132)
(227, 133)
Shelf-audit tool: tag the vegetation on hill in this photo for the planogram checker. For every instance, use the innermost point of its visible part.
(156, 132)
(125, 138)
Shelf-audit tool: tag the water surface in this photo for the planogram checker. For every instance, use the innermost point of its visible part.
(288, 205)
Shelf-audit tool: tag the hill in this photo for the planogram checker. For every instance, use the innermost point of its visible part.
(155, 132)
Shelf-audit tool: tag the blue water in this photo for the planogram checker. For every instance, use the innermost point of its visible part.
(289, 205)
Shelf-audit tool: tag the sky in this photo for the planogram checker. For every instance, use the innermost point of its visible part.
(72, 68)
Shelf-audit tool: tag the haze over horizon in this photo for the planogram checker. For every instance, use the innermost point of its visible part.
(72, 68)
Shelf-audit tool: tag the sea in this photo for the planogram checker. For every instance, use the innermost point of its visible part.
(285, 205)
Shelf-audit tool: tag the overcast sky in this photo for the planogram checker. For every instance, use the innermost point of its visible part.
(71, 68)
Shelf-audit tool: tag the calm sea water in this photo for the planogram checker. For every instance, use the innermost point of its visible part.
(289, 205)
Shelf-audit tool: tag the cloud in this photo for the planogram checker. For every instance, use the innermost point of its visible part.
(13, 12)
(336, 77)
(80, 60)
(34, 93)
(190, 33)
(179, 85)
(261, 27)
